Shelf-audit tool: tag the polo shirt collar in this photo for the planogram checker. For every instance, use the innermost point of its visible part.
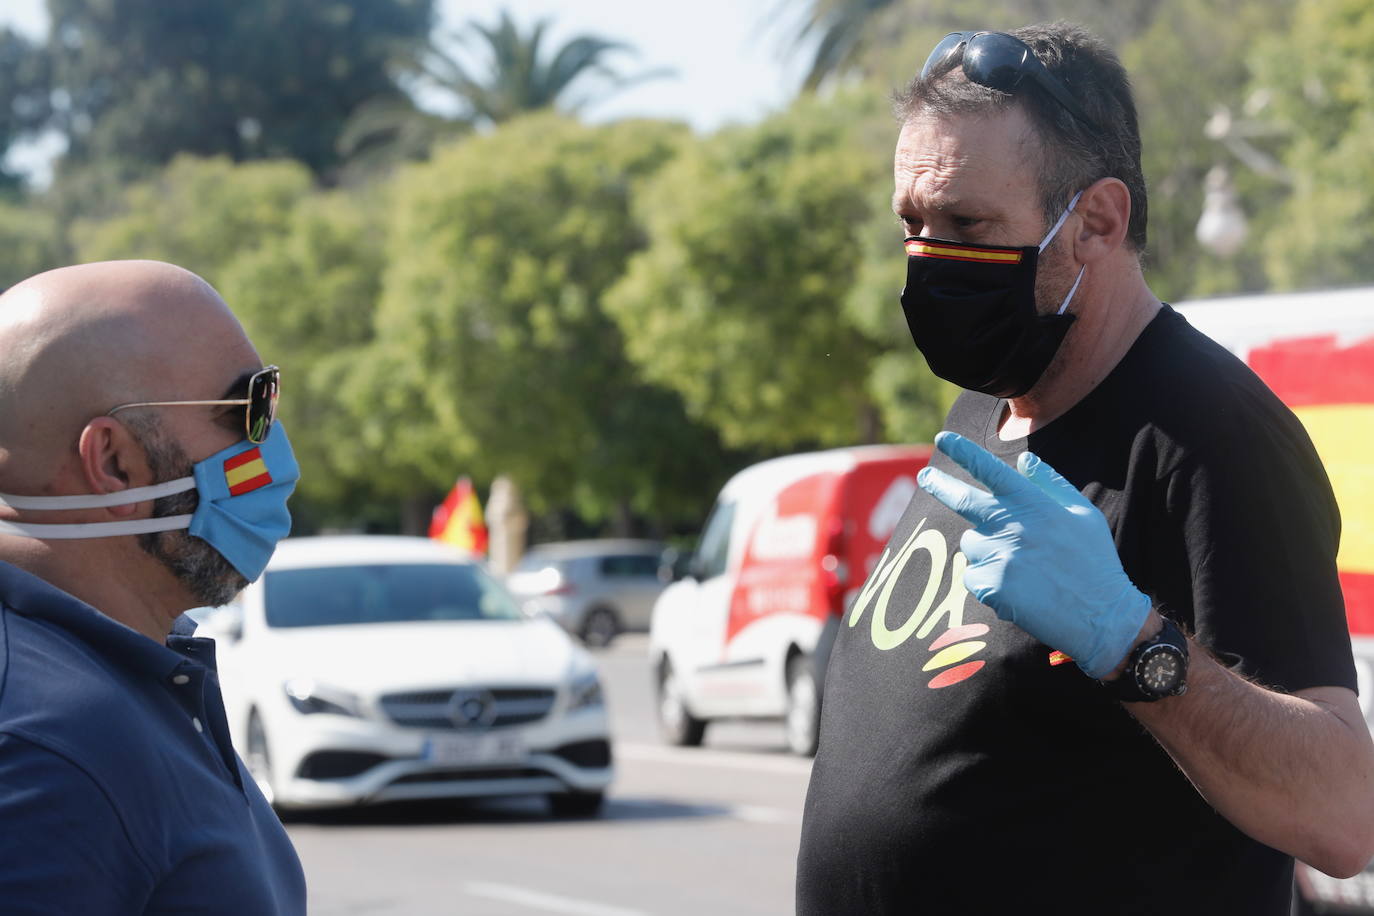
(31, 596)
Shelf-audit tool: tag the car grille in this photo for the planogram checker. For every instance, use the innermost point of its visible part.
(432, 708)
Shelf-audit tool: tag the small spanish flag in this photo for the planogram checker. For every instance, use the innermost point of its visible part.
(1058, 658)
(246, 472)
(948, 251)
(458, 519)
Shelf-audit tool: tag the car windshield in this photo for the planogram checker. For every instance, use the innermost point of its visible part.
(383, 593)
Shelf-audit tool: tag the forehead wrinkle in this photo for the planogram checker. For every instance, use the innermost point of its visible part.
(967, 162)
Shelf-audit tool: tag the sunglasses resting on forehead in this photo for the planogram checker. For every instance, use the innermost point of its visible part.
(260, 406)
(1002, 62)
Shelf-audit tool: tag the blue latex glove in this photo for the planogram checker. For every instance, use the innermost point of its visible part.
(1041, 555)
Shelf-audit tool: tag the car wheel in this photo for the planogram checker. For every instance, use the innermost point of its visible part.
(802, 719)
(576, 804)
(257, 758)
(676, 723)
(600, 627)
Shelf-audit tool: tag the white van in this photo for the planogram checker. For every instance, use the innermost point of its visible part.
(746, 633)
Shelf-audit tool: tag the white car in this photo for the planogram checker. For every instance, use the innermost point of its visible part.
(369, 669)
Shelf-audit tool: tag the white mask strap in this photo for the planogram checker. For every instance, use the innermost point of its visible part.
(1072, 289)
(100, 500)
(96, 529)
(1063, 216)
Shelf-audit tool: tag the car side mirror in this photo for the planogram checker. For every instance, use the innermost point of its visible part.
(676, 565)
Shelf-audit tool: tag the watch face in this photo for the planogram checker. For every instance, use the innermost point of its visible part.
(1161, 670)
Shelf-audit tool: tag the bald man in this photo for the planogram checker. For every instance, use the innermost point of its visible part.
(141, 474)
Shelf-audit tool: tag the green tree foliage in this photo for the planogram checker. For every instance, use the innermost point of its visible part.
(28, 243)
(1321, 80)
(494, 354)
(738, 303)
(199, 213)
(145, 80)
(24, 95)
(1190, 63)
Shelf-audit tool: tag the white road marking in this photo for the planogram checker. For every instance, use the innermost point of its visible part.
(552, 903)
(701, 757)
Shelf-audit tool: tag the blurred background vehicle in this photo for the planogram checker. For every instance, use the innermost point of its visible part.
(1316, 351)
(594, 588)
(747, 631)
(369, 669)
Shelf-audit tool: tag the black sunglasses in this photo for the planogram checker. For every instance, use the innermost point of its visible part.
(260, 407)
(1001, 61)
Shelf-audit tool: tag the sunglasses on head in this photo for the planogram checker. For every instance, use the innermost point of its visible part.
(1001, 61)
(260, 407)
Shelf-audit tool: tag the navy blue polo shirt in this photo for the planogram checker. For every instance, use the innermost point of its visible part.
(119, 790)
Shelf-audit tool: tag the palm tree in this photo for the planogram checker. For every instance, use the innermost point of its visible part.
(519, 78)
(842, 28)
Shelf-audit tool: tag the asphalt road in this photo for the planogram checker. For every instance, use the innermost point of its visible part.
(685, 831)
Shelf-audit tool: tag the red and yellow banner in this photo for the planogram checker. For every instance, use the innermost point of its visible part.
(458, 519)
(1330, 386)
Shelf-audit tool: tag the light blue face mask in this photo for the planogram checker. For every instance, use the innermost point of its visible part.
(242, 513)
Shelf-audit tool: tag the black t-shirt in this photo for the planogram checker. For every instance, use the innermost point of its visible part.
(965, 767)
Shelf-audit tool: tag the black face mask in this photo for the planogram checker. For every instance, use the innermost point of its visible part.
(971, 310)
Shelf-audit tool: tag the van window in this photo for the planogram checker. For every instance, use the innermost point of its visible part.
(714, 550)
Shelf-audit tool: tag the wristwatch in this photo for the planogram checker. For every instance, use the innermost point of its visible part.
(1157, 668)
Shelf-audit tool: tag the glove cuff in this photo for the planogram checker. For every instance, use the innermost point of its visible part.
(1117, 629)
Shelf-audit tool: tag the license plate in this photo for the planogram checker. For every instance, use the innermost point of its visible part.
(470, 749)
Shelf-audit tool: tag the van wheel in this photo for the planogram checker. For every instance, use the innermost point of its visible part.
(676, 723)
(600, 627)
(802, 719)
(257, 758)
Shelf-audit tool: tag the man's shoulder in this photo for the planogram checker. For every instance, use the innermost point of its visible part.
(58, 691)
(1198, 395)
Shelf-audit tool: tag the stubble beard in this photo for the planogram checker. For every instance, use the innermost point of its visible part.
(198, 567)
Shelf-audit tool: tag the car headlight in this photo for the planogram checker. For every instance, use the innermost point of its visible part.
(310, 697)
(584, 692)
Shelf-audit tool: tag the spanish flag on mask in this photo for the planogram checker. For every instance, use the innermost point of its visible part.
(458, 519)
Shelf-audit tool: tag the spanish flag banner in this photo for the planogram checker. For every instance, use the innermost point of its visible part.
(246, 472)
(1336, 404)
(458, 519)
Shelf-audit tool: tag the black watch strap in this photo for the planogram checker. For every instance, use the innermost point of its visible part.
(1167, 650)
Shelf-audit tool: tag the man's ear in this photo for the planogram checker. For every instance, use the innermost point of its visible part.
(1104, 213)
(113, 460)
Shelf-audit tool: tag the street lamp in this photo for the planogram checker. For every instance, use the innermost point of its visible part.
(1222, 227)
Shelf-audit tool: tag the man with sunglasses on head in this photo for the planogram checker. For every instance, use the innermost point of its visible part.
(1127, 689)
(141, 474)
